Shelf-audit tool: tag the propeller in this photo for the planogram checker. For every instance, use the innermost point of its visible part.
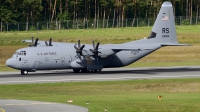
(50, 42)
(79, 48)
(95, 50)
(32, 40)
(34, 43)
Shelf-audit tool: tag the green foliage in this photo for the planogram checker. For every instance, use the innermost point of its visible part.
(6, 13)
(104, 3)
(142, 23)
(43, 10)
(63, 17)
(32, 28)
(185, 22)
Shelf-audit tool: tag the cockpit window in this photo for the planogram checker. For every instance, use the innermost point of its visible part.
(22, 53)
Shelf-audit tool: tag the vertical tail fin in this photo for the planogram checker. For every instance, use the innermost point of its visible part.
(164, 30)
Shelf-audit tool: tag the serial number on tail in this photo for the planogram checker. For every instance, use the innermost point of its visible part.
(165, 36)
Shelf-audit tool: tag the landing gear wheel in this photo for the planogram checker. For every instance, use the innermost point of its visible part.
(76, 70)
(99, 71)
(84, 70)
(24, 72)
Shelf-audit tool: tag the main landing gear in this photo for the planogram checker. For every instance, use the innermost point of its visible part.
(24, 72)
(84, 70)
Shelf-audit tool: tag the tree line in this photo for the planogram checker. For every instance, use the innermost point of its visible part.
(13, 11)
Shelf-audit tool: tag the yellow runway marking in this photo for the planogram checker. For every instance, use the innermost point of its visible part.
(2, 110)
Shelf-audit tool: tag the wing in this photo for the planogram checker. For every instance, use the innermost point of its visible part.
(110, 49)
(128, 47)
(36, 43)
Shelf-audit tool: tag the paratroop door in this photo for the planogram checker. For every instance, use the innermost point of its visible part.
(36, 65)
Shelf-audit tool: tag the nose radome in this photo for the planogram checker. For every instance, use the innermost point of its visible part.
(9, 63)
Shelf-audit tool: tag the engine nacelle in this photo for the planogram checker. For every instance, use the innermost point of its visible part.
(78, 64)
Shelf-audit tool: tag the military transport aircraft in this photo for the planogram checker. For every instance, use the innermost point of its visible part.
(42, 55)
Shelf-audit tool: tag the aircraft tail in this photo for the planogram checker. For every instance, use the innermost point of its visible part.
(163, 31)
(164, 26)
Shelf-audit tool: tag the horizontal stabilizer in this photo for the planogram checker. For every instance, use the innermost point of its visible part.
(174, 44)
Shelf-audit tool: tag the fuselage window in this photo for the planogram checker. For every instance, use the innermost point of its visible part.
(20, 59)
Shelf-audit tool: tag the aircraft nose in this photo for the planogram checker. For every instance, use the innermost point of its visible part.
(9, 62)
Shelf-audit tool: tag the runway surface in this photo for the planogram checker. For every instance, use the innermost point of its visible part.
(69, 76)
(106, 74)
(36, 106)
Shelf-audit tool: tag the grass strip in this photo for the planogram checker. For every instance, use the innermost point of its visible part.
(179, 95)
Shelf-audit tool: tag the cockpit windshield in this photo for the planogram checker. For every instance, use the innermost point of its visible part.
(21, 53)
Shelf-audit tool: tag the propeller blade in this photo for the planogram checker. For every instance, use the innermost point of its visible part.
(82, 47)
(95, 49)
(79, 44)
(79, 48)
(76, 48)
(36, 42)
(97, 46)
(46, 43)
(92, 50)
(32, 39)
(50, 42)
(93, 44)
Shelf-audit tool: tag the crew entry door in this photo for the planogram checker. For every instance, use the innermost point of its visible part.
(36, 65)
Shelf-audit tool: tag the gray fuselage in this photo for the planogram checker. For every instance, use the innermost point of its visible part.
(59, 57)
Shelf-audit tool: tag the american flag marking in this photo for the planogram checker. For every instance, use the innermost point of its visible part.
(164, 18)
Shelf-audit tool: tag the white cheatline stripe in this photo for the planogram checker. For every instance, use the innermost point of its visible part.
(89, 79)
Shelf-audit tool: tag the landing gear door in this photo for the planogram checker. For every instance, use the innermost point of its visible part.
(36, 65)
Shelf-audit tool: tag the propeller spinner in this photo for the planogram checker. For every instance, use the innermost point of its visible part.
(79, 48)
